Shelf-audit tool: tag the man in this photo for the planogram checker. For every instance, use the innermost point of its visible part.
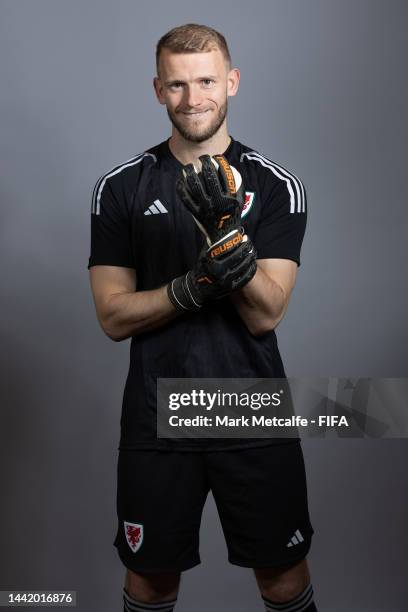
(192, 312)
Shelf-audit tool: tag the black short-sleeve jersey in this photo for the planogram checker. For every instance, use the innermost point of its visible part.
(137, 221)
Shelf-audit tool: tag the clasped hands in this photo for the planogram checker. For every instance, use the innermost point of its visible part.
(227, 261)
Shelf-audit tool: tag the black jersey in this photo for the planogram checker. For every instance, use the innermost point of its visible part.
(137, 221)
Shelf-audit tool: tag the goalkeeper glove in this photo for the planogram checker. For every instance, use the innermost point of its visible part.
(213, 277)
(214, 199)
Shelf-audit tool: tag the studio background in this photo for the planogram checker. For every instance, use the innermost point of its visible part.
(323, 92)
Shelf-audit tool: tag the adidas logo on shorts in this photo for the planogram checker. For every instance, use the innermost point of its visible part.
(297, 538)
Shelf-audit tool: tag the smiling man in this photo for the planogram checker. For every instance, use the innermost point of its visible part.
(198, 115)
(198, 273)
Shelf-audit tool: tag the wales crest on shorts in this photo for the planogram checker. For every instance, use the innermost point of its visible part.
(134, 535)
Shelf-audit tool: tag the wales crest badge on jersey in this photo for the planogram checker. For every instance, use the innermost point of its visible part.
(249, 200)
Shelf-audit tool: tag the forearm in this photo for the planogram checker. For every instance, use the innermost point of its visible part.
(261, 303)
(129, 314)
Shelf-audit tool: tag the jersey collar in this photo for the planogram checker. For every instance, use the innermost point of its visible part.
(168, 155)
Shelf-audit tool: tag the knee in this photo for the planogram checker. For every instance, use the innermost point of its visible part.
(282, 591)
(284, 583)
(152, 587)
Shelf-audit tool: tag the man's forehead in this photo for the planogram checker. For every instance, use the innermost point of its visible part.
(191, 65)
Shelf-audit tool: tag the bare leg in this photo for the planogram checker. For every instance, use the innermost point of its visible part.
(283, 583)
(152, 587)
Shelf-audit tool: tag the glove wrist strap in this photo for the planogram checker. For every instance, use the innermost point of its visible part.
(182, 295)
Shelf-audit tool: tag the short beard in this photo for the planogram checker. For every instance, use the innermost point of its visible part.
(205, 135)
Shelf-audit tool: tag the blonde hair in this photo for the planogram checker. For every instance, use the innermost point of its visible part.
(192, 38)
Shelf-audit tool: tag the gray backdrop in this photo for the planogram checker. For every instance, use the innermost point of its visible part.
(323, 92)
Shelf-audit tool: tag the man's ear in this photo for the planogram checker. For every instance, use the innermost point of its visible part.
(233, 78)
(158, 88)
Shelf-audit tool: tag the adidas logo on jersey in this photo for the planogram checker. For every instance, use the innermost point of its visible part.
(297, 538)
(156, 208)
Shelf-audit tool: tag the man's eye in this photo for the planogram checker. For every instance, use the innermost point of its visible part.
(207, 82)
(176, 85)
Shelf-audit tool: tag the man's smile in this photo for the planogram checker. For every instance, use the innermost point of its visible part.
(195, 114)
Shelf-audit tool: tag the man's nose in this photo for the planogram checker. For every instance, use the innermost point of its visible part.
(193, 96)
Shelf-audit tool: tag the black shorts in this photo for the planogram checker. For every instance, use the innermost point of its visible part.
(260, 494)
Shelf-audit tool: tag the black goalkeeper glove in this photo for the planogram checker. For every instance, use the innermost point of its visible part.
(214, 199)
(213, 277)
